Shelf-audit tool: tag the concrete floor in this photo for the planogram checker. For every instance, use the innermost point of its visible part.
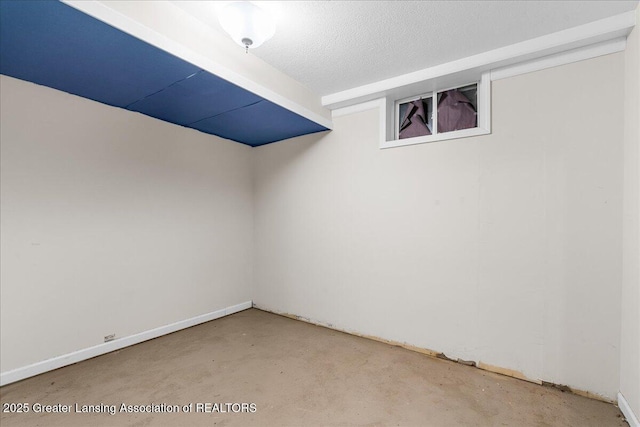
(296, 374)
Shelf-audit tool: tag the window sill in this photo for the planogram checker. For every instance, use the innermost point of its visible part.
(464, 133)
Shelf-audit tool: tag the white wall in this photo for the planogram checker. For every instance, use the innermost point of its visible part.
(112, 222)
(504, 249)
(630, 335)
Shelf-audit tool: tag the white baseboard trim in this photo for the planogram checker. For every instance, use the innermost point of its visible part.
(37, 368)
(624, 406)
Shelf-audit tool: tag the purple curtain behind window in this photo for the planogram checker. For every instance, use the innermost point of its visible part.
(415, 121)
(455, 112)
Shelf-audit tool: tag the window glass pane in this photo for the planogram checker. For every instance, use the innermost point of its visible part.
(457, 108)
(416, 118)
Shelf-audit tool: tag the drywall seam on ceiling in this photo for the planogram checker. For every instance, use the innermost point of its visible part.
(599, 31)
(131, 104)
(156, 32)
(119, 343)
(224, 112)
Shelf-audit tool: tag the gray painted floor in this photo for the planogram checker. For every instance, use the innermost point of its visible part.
(295, 374)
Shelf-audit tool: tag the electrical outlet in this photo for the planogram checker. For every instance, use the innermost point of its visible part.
(109, 337)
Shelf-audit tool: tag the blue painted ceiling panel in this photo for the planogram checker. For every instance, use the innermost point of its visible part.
(258, 124)
(52, 44)
(55, 45)
(197, 97)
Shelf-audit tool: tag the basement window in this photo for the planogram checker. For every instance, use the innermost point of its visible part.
(446, 113)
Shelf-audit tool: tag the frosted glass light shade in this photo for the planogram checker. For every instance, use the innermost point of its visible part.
(248, 24)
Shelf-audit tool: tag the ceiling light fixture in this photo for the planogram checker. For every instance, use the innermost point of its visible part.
(248, 24)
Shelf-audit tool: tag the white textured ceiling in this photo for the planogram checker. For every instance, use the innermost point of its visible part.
(330, 46)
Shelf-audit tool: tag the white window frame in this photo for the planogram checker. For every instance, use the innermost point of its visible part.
(392, 119)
